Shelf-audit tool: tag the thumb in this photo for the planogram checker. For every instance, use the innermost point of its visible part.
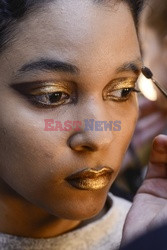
(158, 158)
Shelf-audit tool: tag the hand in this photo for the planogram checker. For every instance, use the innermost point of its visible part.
(149, 207)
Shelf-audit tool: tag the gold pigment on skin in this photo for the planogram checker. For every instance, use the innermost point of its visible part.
(116, 85)
(93, 184)
(123, 84)
(91, 179)
(51, 88)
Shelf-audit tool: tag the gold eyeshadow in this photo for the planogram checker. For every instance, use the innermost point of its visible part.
(41, 88)
(51, 88)
(121, 83)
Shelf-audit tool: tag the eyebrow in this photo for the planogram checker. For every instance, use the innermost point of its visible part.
(60, 66)
(133, 66)
(49, 65)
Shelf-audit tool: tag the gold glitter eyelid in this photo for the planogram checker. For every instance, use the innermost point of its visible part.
(120, 86)
(123, 87)
(50, 89)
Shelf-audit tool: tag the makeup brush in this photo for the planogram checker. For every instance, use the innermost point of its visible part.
(149, 75)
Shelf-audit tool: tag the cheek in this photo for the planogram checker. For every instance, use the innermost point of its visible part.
(128, 116)
(28, 154)
(33, 167)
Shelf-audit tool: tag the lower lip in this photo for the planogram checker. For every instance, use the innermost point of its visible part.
(91, 183)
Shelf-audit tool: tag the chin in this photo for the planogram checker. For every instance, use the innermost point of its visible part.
(83, 206)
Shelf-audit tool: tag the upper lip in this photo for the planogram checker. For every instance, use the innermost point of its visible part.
(91, 173)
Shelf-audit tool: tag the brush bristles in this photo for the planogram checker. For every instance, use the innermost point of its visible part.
(147, 72)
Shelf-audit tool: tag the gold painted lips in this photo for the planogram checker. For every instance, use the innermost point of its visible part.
(91, 179)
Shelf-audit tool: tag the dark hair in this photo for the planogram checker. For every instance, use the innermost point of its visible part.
(157, 16)
(13, 10)
(136, 7)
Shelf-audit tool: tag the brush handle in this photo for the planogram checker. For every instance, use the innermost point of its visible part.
(163, 91)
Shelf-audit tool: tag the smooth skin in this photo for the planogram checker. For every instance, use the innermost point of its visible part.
(35, 199)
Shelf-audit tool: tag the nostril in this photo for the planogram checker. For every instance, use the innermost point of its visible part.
(83, 148)
(89, 148)
(82, 143)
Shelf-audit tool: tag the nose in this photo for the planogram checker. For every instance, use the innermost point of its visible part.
(92, 139)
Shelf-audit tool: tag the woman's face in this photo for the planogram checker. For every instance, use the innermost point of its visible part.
(88, 53)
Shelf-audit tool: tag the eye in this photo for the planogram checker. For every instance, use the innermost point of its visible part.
(122, 94)
(52, 94)
(120, 89)
(51, 99)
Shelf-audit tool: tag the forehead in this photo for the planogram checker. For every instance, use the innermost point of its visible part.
(75, 31)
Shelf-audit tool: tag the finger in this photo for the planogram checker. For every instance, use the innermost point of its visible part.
(158, 158)
(156, 171)
(159, 150)
(154, 186)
